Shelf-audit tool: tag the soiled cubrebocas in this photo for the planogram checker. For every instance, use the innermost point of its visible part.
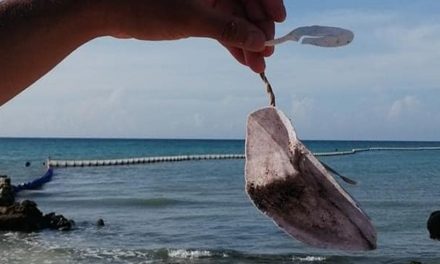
(287, 183)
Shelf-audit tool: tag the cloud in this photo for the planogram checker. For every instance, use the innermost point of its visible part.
(404, 107)
(303, 108)
(386, 79)
(386, 53)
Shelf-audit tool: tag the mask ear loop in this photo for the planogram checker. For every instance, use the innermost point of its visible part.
(268, 89)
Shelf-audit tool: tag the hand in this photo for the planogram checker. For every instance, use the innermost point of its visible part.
(29, 27)
(242, 26)
(262, 13)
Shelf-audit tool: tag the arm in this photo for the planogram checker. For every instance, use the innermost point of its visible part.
(35, 35)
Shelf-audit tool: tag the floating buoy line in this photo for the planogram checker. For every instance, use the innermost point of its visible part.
(162, 159)
(145, 160)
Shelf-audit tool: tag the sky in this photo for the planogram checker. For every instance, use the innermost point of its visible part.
(383, 86)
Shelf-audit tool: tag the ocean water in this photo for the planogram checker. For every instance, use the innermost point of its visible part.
(198, 212)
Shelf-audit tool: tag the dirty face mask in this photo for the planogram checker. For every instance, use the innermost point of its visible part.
(286, 182)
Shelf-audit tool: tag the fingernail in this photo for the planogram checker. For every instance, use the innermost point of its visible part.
(255, 41)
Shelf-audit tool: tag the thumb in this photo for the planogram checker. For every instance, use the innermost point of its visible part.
(230, 30)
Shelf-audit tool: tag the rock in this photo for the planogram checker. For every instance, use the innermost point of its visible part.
(6, 192)
(59, 222)
(100, 222)
(433, 225)
(26, 217)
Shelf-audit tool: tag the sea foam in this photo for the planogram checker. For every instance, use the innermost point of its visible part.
(309, 259)
(184, 253)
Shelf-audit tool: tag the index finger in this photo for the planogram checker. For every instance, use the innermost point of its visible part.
(275, 9)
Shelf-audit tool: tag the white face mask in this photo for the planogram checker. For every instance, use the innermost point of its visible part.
(287, 183)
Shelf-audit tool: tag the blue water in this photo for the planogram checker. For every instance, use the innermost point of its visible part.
(198, 212)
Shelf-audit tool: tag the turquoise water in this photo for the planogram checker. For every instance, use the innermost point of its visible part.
(198, 212)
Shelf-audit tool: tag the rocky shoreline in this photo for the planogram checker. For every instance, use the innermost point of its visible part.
(25, 216)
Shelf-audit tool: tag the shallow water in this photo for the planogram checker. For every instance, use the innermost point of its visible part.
(198, 212)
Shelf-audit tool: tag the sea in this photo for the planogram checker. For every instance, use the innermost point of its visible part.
(198, 211)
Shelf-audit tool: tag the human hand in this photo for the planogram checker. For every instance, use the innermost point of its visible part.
(264, 14)
(242, 26)
(60, 27)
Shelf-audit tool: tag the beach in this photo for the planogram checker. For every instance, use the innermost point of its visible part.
(198, 212)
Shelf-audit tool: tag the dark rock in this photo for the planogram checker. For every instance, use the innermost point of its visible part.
(26, 217)
(54, 221)
(433, 225)
(100, 222)
(6, 192)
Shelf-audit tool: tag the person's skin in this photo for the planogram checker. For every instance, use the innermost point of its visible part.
(35, 35)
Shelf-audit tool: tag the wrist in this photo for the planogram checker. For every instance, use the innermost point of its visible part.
(146, 20)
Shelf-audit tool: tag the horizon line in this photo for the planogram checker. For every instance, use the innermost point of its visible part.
(207, 139)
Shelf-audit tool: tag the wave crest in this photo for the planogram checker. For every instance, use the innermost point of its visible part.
(185, 253)
(309, 259)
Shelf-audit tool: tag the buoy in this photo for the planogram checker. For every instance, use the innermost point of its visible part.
(116, 162)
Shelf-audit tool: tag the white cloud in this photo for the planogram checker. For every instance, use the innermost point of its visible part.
(303, 108)
(192, 88)
(404, 107)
